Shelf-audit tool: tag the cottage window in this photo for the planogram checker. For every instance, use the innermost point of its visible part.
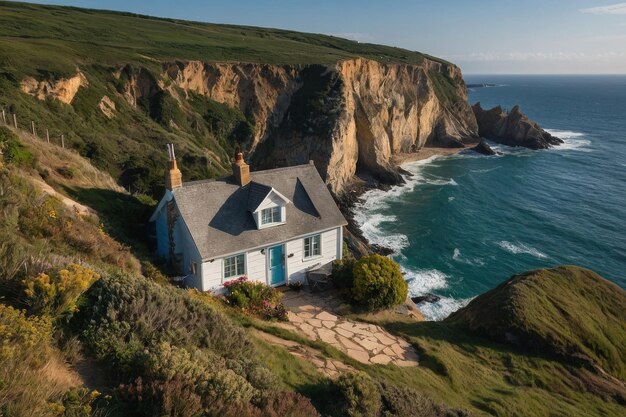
(312, 246)
(271, 215)
(235, 266)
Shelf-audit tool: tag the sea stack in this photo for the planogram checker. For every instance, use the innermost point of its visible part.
(513, 128)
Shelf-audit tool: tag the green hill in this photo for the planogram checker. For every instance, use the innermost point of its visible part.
(567, 312)
(116, 86)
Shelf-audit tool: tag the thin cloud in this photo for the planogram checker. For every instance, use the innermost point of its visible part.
(619, 8)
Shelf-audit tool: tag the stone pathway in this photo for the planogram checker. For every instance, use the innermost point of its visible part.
(368, 343)
(329, 367)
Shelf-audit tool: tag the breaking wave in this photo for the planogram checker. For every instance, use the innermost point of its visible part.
(520, 248)
(442, 308)
(573, 140)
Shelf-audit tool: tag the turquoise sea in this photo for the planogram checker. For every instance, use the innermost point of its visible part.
(465, 223)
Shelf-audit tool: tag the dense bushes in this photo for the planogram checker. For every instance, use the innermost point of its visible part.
(378, 282)
(174, 347)
(374, 282)
(359, 395)
(255, 298)
(125, 310)
(57, 294)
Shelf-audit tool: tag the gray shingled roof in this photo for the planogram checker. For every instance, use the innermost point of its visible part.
(216, 211)
(256, 194)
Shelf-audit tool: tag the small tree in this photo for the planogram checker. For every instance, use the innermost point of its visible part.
(378, 283)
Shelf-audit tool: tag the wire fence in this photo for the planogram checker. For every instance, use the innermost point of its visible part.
(11, 119)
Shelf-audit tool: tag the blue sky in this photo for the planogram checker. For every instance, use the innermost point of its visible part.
(486, 36)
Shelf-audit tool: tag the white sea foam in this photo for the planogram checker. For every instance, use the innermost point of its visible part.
(442, 308)
(469, 261)
(422, 281)
(367, 212)
(572, 140)
(520, 248)
(450, 199)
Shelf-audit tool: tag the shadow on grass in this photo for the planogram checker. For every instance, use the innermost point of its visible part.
(125, 217)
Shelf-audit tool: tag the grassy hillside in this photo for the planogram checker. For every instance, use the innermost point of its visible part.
(114, 50)
(77, 316)
(568, 312)
(55, 39)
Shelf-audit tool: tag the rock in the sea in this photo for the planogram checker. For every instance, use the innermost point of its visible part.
(426, 298)
(484, 148)
(513, 128)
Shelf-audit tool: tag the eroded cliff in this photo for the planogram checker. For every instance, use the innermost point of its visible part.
(351, 117)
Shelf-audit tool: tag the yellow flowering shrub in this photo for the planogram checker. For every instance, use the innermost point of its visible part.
(57, 294)
(21, 335)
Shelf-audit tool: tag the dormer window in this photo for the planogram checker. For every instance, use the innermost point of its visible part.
(267, 206)
(271, 215)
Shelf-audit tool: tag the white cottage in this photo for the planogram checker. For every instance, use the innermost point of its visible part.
(271, 226)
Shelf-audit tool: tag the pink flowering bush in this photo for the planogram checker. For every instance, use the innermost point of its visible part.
(255, 298)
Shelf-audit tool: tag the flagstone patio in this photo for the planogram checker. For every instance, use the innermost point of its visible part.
(313, 315)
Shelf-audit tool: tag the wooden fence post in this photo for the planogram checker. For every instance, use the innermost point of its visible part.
(47, 136)
(15, 120)
(62, 141)
(32, 127)
(4, 117)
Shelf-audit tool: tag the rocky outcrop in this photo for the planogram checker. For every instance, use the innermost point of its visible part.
(513, 128)
(63, 89)
(484, 148)
(107, 107)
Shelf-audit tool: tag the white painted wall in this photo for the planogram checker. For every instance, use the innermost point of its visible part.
(295, 264)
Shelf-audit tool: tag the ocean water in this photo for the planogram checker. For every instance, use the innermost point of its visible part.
(463, 224)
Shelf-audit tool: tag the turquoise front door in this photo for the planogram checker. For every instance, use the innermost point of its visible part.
(277, 267)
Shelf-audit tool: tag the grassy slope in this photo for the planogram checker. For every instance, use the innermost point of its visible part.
(51, 42)
(572, 308)
(458, 367)
(51, 38)
(568, 312)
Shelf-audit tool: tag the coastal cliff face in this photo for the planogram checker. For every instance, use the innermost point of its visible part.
(350, 117)
(354, 116)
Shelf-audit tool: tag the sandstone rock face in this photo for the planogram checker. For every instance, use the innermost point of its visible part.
(513, 128)
(348, 118)
(63, 89)
(353, 116)
(261, 90)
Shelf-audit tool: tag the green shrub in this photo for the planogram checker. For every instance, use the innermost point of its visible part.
(343, 277)
(405, 402)
(14, 152)
(255, 298)
(123, 314)
(378, 282)
(57, 294)
(359, 395)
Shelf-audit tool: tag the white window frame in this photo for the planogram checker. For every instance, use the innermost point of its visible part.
(273, 212)
(237, 273)
(304, 245)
